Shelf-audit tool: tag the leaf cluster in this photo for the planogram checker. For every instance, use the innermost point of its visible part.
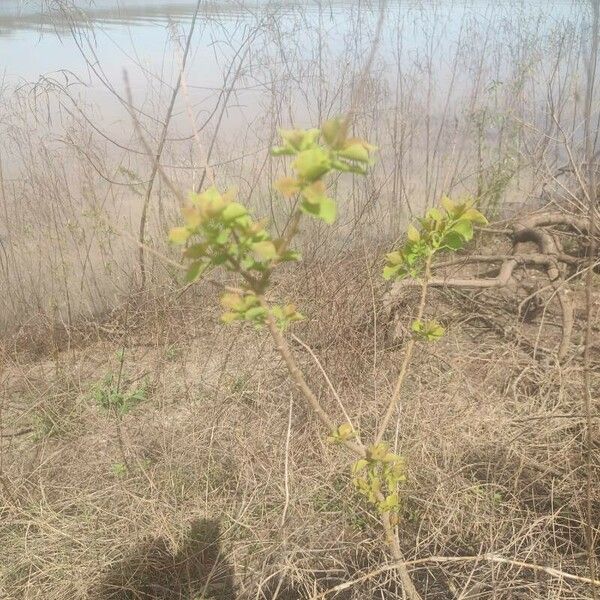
(223, 234)
(446, 228)
(378, 476)
(343, 433)
(318, 152)
(430, 331)
(110, 398)
(219, 232)
(247, 307)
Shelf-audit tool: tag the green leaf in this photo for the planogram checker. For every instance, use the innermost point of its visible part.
(192, 216)
(287, 186)
(312, 164)
(340, 166)
(290, 255)
(233, 211)
(265, 250)
(194, 271)
(389, 504)
(179, 235)
(359, 465)
(448, 204)
(355, 152)
(434, 331)
(255, 314)
(395, 258)
(334, 132)
(315, 192)
(346, 431)
(464, 228)
(475, 217)
(390, 271)
(233, 301)
(299, 139)
(209, 195)
(428, 330)
(219, 259)
(413, 233)
(453, 241)
(378, 451)
(196, 251)
(434, 214)
(292, 137)
(325, 209)
(282, 151)
(343, 433)
(417, 326)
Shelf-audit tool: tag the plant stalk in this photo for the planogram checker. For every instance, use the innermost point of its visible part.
(393, 403)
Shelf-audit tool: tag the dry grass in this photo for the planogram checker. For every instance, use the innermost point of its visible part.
(216, 481)
(493, 440)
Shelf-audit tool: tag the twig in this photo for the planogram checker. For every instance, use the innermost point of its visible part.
(589, 301)
(424, 283)
(161, 144)
(458, 559)
(286, 464)
(298, 378)
(228, 93)
(325, 376)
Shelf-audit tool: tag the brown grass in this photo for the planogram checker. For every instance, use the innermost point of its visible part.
(493, 441)
(218, 481)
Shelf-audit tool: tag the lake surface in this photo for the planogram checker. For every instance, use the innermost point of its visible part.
(455, 96)
(61, 57)
(254, 65)
(37, 37)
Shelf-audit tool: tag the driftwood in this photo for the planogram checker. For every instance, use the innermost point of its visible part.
(549, 257)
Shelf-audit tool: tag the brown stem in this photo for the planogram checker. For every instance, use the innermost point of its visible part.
(393, 403)
(291, 231)
(592, 200)
(298, 378)
(159, 150)
(391, 537)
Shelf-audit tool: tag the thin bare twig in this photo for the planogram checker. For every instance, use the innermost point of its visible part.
(589, 301)
(161, 145)
(393, 402)
(326, 377)
(458, 559)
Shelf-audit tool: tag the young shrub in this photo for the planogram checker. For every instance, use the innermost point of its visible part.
(219, 233)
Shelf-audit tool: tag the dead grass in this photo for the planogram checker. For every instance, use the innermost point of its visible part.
(492, 437)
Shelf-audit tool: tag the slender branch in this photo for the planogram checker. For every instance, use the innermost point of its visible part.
(391, 536)
(298, 378)
(326, 377)
(228, 93)
(161, 145)
(286, 464)
(393, 403)
(458, 560)
(589, 300)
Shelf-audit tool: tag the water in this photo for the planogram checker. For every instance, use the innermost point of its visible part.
(258, 64)
(456, 95)
(37, 37)
(65, 60)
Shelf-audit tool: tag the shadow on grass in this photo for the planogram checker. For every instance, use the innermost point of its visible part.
(198, 570)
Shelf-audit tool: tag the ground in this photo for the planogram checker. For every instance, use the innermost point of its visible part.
(124, 439)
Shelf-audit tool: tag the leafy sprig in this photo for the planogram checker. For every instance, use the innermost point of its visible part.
(318, 152)
(447, 228)
(378, 476)
(219, 232)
